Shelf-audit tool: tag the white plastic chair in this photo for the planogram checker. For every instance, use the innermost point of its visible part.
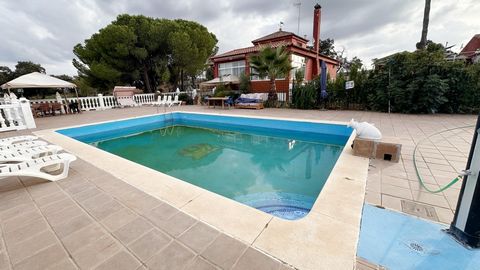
(39, 167)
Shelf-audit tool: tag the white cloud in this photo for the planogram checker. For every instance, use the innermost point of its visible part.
(45, 31)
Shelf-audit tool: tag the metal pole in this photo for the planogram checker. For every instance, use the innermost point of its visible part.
(466, 222)
(389, 71)
(298, 4)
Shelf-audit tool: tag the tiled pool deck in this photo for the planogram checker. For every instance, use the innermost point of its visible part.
(82, 222)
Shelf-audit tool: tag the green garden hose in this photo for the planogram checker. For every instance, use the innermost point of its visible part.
(422, 183)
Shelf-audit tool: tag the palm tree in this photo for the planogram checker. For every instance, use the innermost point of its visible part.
(274, 63)
(426, 18)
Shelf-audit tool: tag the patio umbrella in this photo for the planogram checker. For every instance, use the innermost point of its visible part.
(323, 81)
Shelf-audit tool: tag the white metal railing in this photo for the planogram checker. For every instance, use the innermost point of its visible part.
(16, 116)
(282, 96)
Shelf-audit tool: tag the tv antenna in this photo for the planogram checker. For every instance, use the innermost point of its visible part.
(298, 4)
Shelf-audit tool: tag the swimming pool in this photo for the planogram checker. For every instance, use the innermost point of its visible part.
(276, 166)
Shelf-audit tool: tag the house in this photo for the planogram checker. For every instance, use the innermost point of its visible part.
(471, 51)
(302, 56)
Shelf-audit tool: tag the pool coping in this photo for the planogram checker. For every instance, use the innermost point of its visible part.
(325, 239)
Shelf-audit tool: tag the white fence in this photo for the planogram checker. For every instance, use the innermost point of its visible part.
(100, 102)
(16, 116)
(144, 98)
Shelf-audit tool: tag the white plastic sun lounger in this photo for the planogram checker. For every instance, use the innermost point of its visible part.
(168, 101)
(17, 139)
(161, 100)
(22, 145)
(175, 102)
(36, 167)
(27, 154)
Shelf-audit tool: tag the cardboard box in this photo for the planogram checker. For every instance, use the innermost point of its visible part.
(386, 149)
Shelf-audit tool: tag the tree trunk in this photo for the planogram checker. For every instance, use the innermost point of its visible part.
(272, 95)
(426, 18)
(146, 79)
(181, 79)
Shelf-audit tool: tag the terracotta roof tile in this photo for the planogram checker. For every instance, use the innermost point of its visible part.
(252, 49)
(277, 34)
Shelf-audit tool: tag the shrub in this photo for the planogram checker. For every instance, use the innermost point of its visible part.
(305, 96)
(185, 97)
(244, 85)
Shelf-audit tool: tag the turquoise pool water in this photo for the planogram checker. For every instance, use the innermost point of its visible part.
(273, 170)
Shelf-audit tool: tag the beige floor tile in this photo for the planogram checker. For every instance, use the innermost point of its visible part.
(119, 219)
(70, 226)
(4, 262)
(254, 259)
(63, 215)
(24, 232)
(432, 199)
(20, 221)
(444, 215)
(399, 182)
(102, 211)
(173, 256)
(177, 224)
(95, 201)
(48, 199)
(200, 263)
(199, 237)
(65, 264)
(31, 246)
(224, 251)
(120, 261)
(161, 213)
(87, 194)
(391, 202)
(373, 198)
(374, 185)
(43, 259)
(95, 253)
(395, 191)
(149, 244)
(83, 237)
(16, 211)
(133, 230)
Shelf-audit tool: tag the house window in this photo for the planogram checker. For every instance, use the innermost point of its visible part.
(254, 76)
(231, 68)
(298, 63)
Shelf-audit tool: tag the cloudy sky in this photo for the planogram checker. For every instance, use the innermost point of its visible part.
(45, 31)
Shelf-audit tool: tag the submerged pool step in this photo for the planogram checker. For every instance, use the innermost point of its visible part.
(283, 205)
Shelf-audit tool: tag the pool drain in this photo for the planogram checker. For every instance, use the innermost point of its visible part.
(416, 247)
(420, 249)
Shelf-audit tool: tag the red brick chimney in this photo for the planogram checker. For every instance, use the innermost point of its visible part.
(317, 17)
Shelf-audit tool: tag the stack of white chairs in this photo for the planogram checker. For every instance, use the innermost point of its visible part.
(27, 156)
